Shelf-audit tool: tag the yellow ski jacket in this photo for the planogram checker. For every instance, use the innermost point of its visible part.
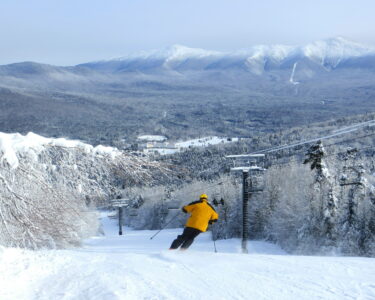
(202, 213)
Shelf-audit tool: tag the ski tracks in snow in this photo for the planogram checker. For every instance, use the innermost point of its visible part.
(132, 267)
(203, 279)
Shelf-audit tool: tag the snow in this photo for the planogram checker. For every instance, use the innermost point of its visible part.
(247, 169)
(204, 142)
(335, 49)
(246, 156)
(13, 144)
(170, 148)
(329, 52)
(152, 138)
(174, 52)
(180, 52)
(103, 150)
(134, 267)
(276, 52)
(160, 151)
(291, 79)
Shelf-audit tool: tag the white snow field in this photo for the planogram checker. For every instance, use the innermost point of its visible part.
(205, 141)
(134, 267)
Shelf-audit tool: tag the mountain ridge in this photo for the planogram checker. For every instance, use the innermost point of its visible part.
(329, 53)
(191, 94)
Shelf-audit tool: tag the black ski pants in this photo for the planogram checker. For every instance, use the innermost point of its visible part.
(186, 238)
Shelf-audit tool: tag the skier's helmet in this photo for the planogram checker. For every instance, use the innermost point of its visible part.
(203, 196)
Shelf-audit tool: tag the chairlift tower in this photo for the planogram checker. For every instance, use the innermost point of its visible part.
(252, 182)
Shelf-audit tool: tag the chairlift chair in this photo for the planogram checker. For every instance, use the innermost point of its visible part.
(173, 206)
(257, 181)
(352, 175)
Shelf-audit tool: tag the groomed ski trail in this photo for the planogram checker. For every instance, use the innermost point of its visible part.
(134, 267)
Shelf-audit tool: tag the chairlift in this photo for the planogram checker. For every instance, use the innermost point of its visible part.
(164, 210)
(257, 181)
(216, 202)
(172, 206)
(344, 182)
(222, 193)
(351, 176)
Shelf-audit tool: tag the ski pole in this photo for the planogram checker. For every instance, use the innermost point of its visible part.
(215, 246)
(165, 225)
(213, 238)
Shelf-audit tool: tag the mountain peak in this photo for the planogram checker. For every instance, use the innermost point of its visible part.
(174, 52)
(335, 47)
(180, 52)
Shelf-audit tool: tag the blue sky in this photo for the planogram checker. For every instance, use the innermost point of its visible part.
(68, 32)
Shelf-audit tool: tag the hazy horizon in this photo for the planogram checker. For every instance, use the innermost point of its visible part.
(69, 32)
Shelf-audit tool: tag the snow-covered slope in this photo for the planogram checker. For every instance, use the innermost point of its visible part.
(332, 51)
(175, 52)
(204, 142)
(134, 267)
(13, 145)
(152, 138)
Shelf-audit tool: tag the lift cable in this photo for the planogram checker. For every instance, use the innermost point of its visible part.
(337, 133)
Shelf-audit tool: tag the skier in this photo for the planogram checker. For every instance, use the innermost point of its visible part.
(202, 214)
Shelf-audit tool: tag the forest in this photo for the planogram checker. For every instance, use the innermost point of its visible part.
(318, 195)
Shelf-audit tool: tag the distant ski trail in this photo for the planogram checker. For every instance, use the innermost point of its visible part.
(291, 80)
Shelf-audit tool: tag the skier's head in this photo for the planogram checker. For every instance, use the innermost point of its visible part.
(203, 197)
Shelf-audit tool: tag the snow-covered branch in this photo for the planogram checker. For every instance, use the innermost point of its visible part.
(47, 186)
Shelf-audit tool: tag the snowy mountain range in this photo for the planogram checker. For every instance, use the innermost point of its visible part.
(186, 93)
(307, 60)
(329, 54)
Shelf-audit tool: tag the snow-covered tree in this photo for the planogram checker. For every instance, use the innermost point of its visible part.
(47, 187)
